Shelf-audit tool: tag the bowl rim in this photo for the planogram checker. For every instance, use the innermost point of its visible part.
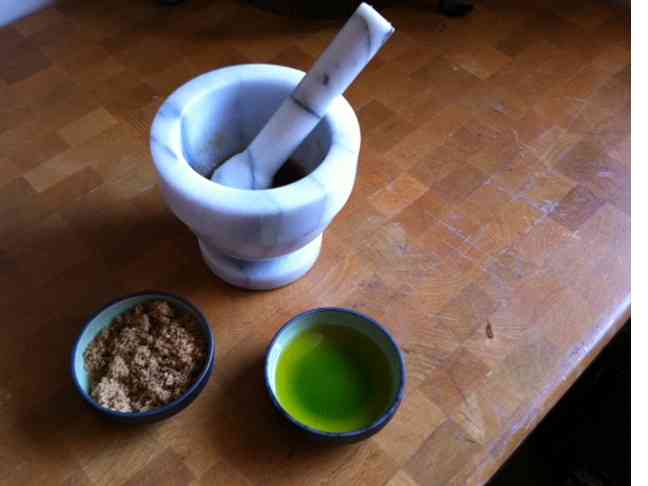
(381, 421)
(170, 161)
(204, 374)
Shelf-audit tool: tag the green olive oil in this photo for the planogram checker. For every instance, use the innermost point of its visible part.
(334, 379)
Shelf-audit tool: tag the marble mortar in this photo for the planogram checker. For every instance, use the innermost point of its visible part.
(256, 239)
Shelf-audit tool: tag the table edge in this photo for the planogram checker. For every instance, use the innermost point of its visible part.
(523, 423)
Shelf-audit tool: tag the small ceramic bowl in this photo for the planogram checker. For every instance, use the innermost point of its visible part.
(359, 322)
(102, 318)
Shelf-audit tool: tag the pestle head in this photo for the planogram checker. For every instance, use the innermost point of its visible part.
(238, 172)
(362, 36)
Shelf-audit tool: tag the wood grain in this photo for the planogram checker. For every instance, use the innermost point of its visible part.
(489, 230)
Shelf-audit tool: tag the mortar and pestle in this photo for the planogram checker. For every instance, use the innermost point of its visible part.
(218, 141)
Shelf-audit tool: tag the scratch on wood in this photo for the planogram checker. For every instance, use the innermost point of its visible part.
(489, 330)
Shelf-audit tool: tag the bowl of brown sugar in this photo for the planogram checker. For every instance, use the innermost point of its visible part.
(143, 357)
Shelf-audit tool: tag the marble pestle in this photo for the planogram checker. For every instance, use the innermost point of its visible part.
(354, 46)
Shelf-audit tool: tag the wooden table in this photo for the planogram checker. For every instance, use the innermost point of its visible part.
(489, 230)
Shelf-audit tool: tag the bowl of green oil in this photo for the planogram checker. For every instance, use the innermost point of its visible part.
(335, 374)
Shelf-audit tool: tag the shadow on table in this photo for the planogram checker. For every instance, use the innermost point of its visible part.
(256, 440)
(66, 275)
(45, 415)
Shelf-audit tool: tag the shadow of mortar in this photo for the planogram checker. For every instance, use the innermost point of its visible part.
(107, 256)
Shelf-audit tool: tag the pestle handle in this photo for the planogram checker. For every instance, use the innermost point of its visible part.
(353, 47)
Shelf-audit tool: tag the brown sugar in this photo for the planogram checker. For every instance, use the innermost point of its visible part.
(146, 358)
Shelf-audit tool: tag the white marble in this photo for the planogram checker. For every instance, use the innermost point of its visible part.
(353, 47)
(263, 274)
(257, 239)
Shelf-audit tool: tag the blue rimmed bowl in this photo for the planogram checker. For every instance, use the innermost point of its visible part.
(338, 317)
(102, 318)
